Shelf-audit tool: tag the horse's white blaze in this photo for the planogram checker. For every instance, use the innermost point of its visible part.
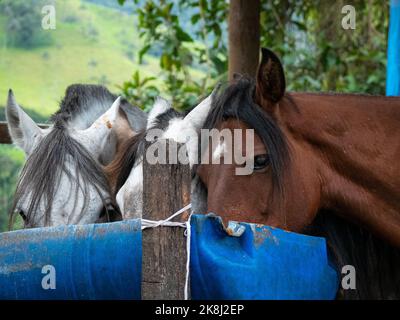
(219, 152)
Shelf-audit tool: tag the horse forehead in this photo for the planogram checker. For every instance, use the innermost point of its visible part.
(237, 124)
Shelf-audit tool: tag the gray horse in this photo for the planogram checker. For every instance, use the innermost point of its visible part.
(62, 181)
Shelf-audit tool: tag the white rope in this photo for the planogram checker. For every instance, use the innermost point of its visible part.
(167, 223)
(188, 232)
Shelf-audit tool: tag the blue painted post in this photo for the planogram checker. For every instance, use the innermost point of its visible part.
(393, 63)
(96, 261)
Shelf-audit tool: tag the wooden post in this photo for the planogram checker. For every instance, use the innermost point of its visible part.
(4, 136)
(166, 189)
(244, 37)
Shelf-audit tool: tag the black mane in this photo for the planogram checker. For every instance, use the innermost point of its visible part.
(80, 98)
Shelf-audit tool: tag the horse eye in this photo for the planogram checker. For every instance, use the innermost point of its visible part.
(261, 161)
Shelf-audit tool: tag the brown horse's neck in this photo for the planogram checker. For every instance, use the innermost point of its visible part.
(355, 142)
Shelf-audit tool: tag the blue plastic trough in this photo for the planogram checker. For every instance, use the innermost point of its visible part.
(96, 261)
(261, 263)
(104, 262)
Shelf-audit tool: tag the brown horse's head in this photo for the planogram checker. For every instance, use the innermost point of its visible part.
(282, 168)
(335, 152)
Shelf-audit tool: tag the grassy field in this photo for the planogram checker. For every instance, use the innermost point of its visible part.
(91, 44)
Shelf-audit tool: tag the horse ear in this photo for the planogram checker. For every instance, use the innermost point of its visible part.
(124, 123)
(198, 115)
(136, 117)
(99, 135)
(160, 106)
(23, 130)
(270, 83)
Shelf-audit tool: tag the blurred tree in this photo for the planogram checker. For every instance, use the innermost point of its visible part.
(181, 50)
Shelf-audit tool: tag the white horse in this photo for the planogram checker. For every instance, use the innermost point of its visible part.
(63, 181)
(128, 165)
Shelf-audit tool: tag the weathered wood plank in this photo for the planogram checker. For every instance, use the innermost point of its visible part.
(5, 137)
(166, 190)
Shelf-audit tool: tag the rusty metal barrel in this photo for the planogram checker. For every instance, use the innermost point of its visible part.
(96, 261)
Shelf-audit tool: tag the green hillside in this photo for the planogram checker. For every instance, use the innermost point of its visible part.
(91, 44)
(95, 41)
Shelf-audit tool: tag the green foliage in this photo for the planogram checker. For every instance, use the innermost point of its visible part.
(181, 49)
(23, 23)
(317, 53)
(140, 90)
(11, 160)
(90, 50)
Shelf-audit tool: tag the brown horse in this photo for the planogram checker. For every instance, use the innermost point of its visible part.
(330, 151)
(313, 153)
